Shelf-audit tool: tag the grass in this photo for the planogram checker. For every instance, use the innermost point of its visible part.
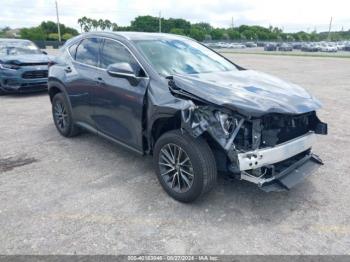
(274, 53)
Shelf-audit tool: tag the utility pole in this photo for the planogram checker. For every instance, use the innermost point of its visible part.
(58, 23)
(232, 23)
(329, 30)
(160, 21)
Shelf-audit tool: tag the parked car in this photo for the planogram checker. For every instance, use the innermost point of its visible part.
(192, 109)
(340, 46)
(285, 47)
(310, 47)
(347, 47)
(23, 67)
(297, 45)
(270, 47)
(326, 47)
(251, 44)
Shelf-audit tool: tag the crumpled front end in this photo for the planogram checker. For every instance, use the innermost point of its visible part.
(272, 151)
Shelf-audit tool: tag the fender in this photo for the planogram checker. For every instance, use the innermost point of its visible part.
(56, 83)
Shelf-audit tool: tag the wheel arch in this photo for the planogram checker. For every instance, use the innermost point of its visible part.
(161, 125)
(55, 86)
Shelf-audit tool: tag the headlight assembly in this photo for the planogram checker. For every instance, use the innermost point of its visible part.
(9, 66)
(227, 122)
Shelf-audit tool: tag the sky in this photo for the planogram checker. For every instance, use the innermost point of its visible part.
(291, 15)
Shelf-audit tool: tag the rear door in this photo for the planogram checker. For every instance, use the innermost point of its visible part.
(118, 102)
(81, 78)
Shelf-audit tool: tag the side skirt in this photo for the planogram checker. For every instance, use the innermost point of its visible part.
(107, 137)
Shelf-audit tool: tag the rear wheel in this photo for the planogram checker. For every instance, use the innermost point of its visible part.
(62, 116)
(185, 166)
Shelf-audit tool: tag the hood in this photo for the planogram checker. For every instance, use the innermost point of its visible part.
(25, 59)
(248, 92)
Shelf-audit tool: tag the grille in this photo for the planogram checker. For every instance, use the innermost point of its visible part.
(281, 128)
(35, 74)
(33, 64)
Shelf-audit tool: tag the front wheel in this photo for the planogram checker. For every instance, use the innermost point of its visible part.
(185, 166)
(62, 116)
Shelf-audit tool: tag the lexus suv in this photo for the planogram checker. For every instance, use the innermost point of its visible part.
(23, 67)
(195, 111)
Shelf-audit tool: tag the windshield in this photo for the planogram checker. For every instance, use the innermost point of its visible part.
(18, 48)
(174, 56)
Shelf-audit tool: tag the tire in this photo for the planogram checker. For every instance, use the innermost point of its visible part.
(201, 164)
(62, 116)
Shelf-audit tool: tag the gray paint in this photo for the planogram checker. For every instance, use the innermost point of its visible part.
(249, 92)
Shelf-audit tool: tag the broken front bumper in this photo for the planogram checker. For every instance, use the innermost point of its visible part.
(289, 177)
(266, 158)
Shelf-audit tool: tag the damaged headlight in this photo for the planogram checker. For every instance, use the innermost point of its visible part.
(226, 121)
(223, 127)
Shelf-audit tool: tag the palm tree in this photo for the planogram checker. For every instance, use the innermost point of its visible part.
(114, 27)
(108, 24)
(82, 22)
(88, 25)
(94, 23)
(101, 24)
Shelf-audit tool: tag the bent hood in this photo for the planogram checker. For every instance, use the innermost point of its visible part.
(25, 59)
(248, 92)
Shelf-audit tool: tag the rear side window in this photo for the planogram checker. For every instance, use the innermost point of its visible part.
(113, 52)
(73, 49)
(87, 51)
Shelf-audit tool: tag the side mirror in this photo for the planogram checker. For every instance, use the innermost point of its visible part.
(44, 52)
(121, 70)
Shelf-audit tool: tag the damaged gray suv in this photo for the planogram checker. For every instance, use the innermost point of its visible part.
(195, 111)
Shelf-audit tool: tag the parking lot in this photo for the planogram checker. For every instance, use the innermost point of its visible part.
(87, 196)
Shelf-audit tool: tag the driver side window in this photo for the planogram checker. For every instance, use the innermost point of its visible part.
(112, 52)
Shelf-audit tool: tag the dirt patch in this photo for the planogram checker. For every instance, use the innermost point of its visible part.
(9, 163)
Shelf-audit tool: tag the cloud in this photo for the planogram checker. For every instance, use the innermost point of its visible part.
(291, 15)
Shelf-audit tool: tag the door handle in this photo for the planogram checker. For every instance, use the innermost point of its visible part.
(100, 81)
(68, 69)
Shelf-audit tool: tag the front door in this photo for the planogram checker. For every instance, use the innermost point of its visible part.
(118, 101)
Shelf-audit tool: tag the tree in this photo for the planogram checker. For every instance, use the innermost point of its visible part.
(47, 30)
(200, 31)
(234, 34)
(82, 22)
(114, 27)
(197, 34)
(53, 36)
(94, 24)
(177, 31)
(101, 24)
(67, 36)
(108, 24)
(204, 26)
(249, 34)
(145, 24)
(217, 34)
(33, 33)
